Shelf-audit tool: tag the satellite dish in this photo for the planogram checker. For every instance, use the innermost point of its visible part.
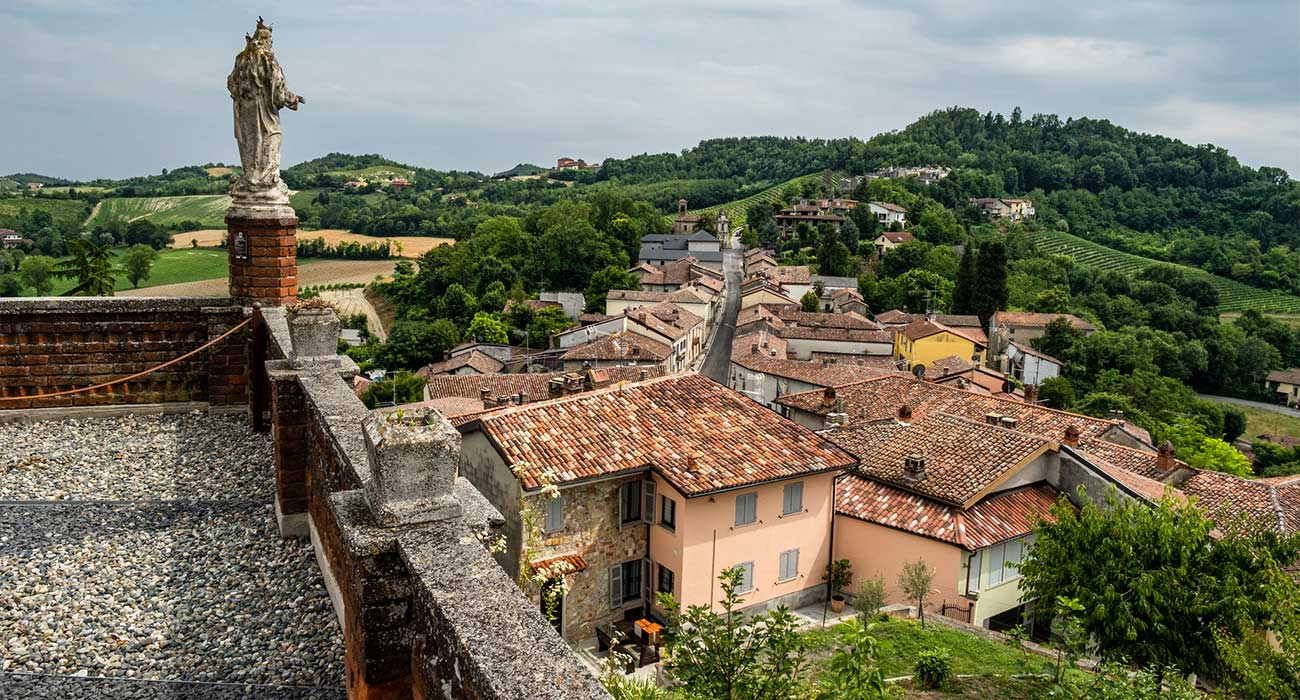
(1008, 387)
(918, 371)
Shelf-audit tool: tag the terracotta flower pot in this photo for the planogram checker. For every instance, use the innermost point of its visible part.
(837, 602)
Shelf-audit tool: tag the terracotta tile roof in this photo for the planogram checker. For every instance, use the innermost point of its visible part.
(760, 313)
(833, 374)
(1146, 488)
(469, 385)
(894, 317)
(587, 319)
(713, 285)
(666, 319)
(898, 236)
(698, 434)
(770, 289)
(924, 328)
(945, 366)
(622, 346)
(766, 342)
(846, 292)
(996, 518)
(1028, 319)
(560, 566)
(976, 379)
(797, 316)
(963, 458)
(880, 398)
(1029, 350)
(677, 272)
(636, 295)
(786, 274)
(851, 335)
(1140, 462)
(478, 361)
(449, 406)
(1285, 376)
(877, 362)
(890, 207)
(1262, 504)
(536, 386)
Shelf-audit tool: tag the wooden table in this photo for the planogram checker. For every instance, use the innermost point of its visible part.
(650, 629)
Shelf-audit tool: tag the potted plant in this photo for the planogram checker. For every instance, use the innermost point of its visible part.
(840, 574)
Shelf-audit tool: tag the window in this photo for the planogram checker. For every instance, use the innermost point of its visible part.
(1004, 560)
(630, 502)
(626, 581)
(792, 499)
(973, 573)
(668, 512)
(554, 520)
(746, 577)
(665, 580)
(636, 502)
(746, 509)
(789, 565)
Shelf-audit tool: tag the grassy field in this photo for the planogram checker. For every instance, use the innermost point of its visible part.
(207, 209)
(172, 266)
(1260, 421)
(1233, 295)
(63, 210)
(737, 210)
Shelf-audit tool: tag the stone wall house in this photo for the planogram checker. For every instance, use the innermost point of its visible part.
(660, 485)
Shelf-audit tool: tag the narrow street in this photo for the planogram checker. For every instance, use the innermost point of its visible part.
(1275, 408)
(718, 361)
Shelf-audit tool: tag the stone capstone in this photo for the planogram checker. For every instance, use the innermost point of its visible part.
(413, 468)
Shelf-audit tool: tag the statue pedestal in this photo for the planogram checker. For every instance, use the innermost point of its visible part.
(263, 254)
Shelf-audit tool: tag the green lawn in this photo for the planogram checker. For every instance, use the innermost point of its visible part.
(1260, 421)
(172, 266)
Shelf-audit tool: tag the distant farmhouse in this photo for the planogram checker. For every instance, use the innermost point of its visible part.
(1010, 209)
(571, 164)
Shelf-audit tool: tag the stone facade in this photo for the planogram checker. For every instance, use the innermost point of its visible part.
(53, 345)
(263, 256)
(591, 529)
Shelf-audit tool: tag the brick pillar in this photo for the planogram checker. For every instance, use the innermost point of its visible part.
(263, 256)
(289, 418)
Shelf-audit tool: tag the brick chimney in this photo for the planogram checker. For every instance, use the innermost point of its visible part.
(993, 418)
(1071, 436)
(642, 375)
(1031, 393)
(555, 387)
(904, 414)
(828, 396)
(1165, 457)
(484, 394)
(753, 348)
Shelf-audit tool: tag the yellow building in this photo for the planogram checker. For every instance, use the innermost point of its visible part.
(923, 341)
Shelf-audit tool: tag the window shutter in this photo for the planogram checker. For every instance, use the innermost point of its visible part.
(647, 591)
(622, 504)
(648, 502)
(616, 586)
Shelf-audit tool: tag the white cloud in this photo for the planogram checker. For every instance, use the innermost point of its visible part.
(1259, 135)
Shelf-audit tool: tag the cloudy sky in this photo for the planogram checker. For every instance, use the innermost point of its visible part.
(113, 88)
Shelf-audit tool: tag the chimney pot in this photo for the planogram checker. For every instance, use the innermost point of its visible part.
(1031, 393)
(825, 363)
(753, 349)
(1071, 436)
(914, 466)
(643, 374)
(1009, 422)
(523, 397)
(828, 395)
(992, 418)
(904, 413)
(484, 394)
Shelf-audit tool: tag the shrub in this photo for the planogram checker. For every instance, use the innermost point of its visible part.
(934, 668)
(870, 597)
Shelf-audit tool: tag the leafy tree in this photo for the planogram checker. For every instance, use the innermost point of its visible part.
(870, 597)
(137, 261)
(1151, 579)
(91, 265)
(910, 291)
(731, 655)
(1058, 338)
(415, 343)
(10, 285)
(37, 272)
(605, 280)
(546, 322)
(809, 301)
(399, 388)
(916, 581)
(849, 234)
(854, 673)
(833, 257)
(902, 258)
(486, 328)
(1056, 392)
(1051, 301)
(457, 304)
(493, 299)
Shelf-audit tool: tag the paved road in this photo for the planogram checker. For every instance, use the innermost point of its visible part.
(1274, 407)
(717, 364)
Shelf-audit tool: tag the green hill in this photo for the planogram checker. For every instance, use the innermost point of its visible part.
(738, 210)
(1233, 295)
(522, 169)
(67, 213)
(207, 209)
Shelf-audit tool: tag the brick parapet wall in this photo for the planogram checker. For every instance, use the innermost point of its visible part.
(48, 345)
(264, 267)
(426, 610)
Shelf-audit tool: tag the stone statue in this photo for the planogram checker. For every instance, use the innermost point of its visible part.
(257, 87)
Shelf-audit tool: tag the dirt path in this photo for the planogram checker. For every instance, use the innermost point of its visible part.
(352, 301)
(94, 210)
